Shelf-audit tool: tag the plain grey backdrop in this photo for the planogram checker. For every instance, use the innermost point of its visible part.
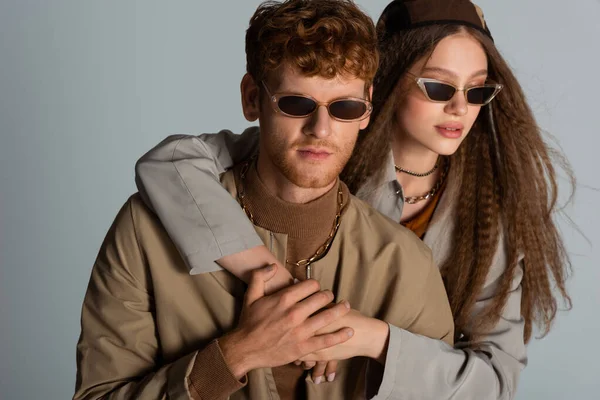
(86, 87)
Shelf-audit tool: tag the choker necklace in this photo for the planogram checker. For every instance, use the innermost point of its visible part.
(321, 251)
(417, 174)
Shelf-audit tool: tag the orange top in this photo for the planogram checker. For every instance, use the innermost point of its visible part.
(420, 222)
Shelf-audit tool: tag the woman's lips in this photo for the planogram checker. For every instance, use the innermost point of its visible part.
(450, 130)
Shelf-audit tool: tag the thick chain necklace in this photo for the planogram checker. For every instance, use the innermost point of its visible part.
(433, 191)
(321, 251)
(419, 174)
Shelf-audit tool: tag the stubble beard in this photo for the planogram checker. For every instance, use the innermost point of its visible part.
(309, 174)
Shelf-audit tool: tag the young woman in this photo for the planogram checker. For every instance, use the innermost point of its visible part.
(452, 152)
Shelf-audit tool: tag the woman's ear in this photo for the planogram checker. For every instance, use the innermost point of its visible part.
(250, 98)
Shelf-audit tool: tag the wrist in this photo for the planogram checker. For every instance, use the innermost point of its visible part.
(379, 341)
(234, 353)
(242, 264)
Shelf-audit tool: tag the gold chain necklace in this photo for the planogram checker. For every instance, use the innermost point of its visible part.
(321, 251)
(432, 192)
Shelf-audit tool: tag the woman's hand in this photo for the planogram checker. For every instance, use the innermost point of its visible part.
(321, 370)
(370, 339)
(243, 263)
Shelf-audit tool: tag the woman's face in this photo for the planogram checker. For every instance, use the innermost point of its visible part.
(460, 60)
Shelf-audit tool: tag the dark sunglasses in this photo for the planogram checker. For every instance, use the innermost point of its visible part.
(443, 92)
(345, 109)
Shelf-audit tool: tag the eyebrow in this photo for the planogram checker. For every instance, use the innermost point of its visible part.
(452, 74)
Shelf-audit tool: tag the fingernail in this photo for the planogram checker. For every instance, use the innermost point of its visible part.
(350, 333)
(331, 377)
(296, 281)
(318, 380)
(345, 302)
(269, 268)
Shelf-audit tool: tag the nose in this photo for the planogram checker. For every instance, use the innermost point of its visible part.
(458, 104)
(319, 123)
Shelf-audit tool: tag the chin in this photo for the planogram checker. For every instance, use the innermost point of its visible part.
(311, 178)
(312, 175)
(312, 181)
(446, 152)
(446, 148)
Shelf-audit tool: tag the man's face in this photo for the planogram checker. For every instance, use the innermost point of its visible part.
(309, 152)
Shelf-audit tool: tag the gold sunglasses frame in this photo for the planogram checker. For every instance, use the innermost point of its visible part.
(276, 96)
(421, 84)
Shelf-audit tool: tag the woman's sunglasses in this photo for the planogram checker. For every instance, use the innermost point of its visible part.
(345, 109)
(442, 92)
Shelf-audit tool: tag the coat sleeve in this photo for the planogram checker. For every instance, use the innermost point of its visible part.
(418, 367)
(179, 180)
(118, 353)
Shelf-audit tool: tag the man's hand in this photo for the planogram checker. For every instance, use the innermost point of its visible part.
(370, 339)
(282, 279)
(277, 329)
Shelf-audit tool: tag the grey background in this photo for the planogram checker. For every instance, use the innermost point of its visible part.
(86, 87)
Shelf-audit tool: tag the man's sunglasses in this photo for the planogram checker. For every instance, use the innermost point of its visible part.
(345, 109)
(442, 92)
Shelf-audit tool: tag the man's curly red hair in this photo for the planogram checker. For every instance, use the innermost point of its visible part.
(323, 38)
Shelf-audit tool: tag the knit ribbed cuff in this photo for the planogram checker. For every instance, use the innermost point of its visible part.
(210, 377)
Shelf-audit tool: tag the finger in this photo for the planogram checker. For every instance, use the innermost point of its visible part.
(308, 364)
(298, 362)
(318, 372)
(313, 304)
(325, 317)
(291, 295)
(316, 343)
(282, 279)
(256, 288)
(330, 370)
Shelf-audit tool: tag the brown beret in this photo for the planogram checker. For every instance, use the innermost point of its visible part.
(402, 15)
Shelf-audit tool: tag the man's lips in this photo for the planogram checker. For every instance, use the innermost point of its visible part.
(316, 150)
(314, 153)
